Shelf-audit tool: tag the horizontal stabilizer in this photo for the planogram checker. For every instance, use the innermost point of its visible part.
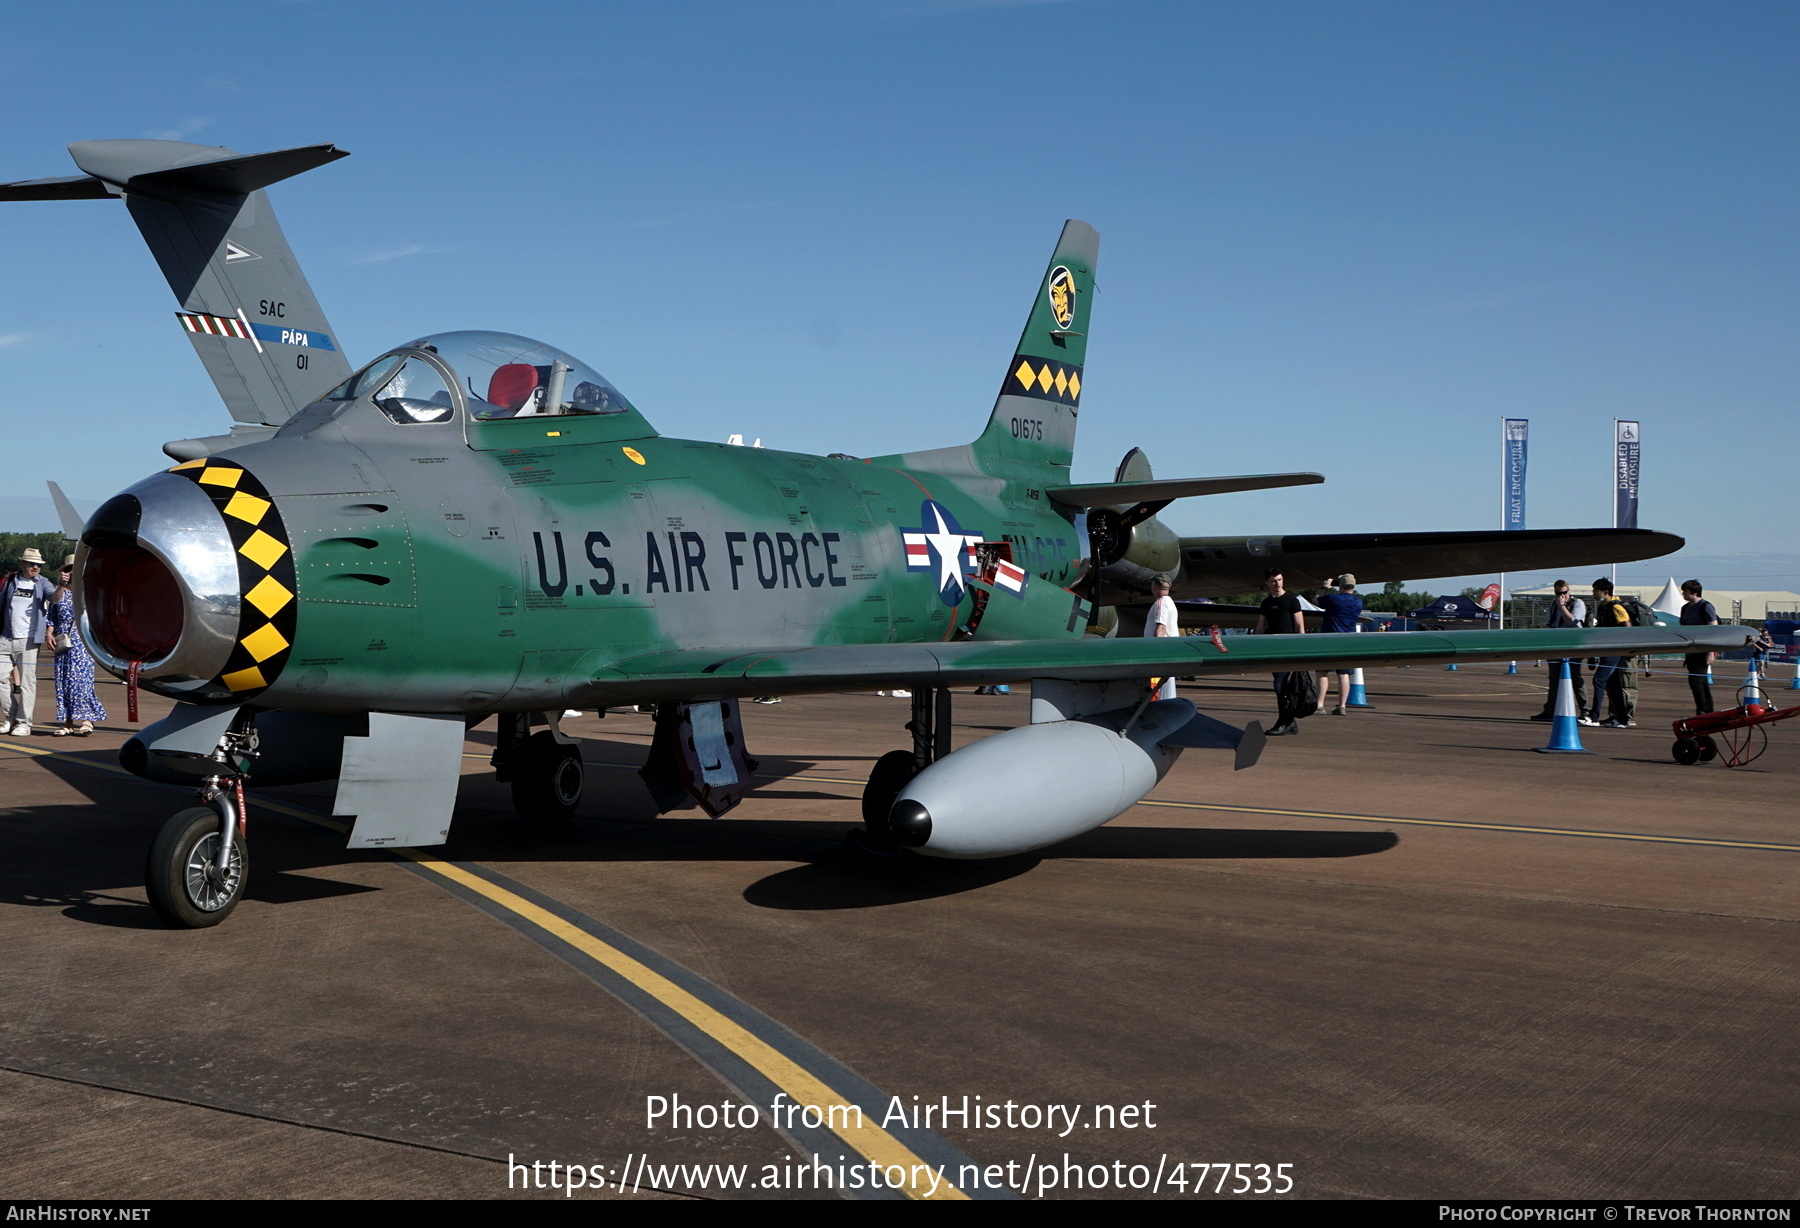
(69, 187)
(1111, 494)
(237, 175)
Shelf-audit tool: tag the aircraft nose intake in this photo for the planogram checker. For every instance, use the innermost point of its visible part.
(194, 583)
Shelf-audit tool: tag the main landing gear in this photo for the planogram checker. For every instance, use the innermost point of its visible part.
(930, 727)
(546, 775)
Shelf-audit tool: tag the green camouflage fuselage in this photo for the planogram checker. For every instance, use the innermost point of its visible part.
(501, 566)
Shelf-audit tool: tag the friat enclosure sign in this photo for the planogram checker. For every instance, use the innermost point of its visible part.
(1513, 503)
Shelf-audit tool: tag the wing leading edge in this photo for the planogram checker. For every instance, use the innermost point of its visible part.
(697, 673)
(1217, 566)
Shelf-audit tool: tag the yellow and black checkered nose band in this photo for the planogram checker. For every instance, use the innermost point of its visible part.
(1043, 378)
(265, 562)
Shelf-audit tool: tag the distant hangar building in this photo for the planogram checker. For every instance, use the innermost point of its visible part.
(1730, 603)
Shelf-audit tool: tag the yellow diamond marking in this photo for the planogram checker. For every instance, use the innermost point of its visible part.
(1062, 381)
(246, 507)
(219, 475)
(261, 549)
(1075, 385)
(188, 464)
(1044, 378)
(264, 642)
(269, 595)
(1025, 375)
(244, 679)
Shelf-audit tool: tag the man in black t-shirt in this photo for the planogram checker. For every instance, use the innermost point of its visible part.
(1281, 615)
(1696, 611)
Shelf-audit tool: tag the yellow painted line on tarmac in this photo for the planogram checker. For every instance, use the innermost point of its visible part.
(801, 1086)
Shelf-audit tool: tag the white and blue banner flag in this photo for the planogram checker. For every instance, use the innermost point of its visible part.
(1625, 474)
(1513, 516)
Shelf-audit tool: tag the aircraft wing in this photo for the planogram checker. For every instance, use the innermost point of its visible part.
(1163, 490)
(1216, 566)
(697, 673)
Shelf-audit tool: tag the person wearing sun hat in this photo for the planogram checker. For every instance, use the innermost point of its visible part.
(77, 707)
(24, 618)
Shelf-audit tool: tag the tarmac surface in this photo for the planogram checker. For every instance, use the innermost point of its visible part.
(1404, 955)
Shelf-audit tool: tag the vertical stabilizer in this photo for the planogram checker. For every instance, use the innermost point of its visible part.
(1030, 435)
(245, 304)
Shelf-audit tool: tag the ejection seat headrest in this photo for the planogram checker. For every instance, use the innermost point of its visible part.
(512, 385)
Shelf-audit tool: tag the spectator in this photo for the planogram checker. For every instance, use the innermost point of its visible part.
(1281, 615)
(77, 707)
(1566, 610)
(1696, 611)
(1162, 621)
(1341, 611)
(24, 617)
(1615, 680)
(1760, 647)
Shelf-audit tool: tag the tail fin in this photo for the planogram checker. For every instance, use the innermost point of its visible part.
(245, 304)
(1031, 434)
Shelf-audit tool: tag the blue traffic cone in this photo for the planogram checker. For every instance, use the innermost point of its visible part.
(1795, 684)
(1359, 698)
(1565, 734)
(1709, 673)
(1512, 667)
(1452, 665)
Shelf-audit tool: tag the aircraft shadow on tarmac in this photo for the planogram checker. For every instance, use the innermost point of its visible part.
(80, 857)
(848, 881)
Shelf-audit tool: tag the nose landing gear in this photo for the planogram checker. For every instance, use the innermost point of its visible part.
(199, 861)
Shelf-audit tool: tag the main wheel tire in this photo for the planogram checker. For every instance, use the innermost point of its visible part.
(890, 775)
(1686, 751)
(546, 782)
(181, 877)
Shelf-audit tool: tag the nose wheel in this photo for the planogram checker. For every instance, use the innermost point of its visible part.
(547, 777)
(188, 884)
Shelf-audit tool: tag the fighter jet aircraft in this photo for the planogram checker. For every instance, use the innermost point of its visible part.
(479, 526)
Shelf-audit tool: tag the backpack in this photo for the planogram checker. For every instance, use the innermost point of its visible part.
(1300, 694)
(1641, 614)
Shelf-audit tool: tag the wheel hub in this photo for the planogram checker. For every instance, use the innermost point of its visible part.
(211, 886)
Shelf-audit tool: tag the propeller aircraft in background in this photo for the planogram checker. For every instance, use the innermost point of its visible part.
(478, 526)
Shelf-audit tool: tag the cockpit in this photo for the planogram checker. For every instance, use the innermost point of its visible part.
(495, 375)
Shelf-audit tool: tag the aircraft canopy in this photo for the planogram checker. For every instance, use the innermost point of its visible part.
(506, 376)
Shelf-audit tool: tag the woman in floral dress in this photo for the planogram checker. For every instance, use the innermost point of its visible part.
(77, 707)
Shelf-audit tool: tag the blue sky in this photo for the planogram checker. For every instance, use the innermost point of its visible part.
(1342, 237)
